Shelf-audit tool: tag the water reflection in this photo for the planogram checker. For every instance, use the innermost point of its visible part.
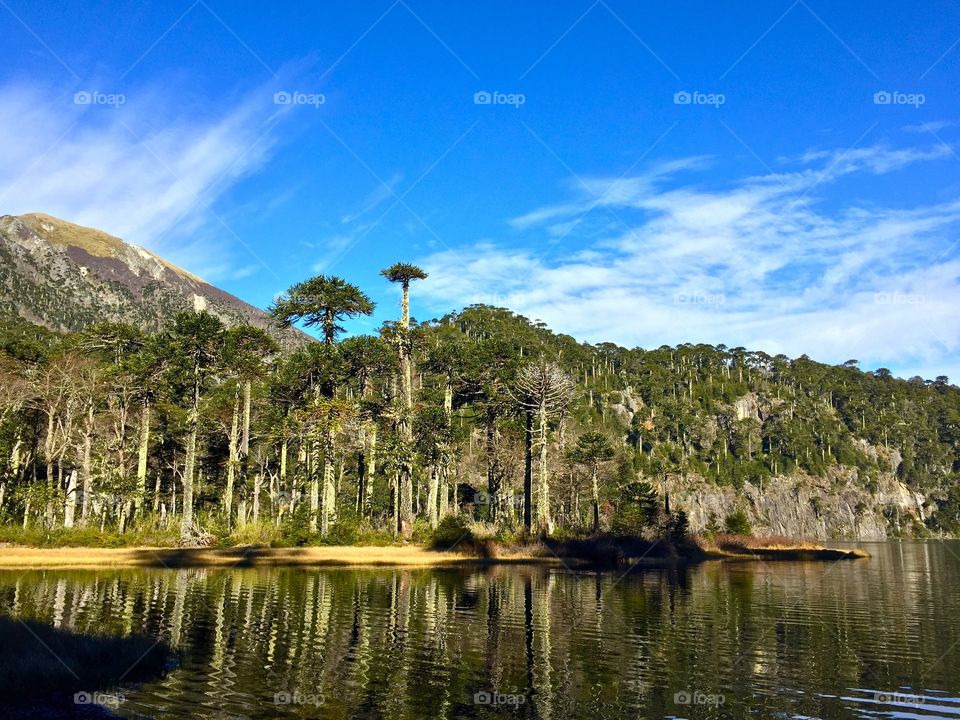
(875, 638)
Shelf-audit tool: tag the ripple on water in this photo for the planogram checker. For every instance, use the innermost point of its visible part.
(873, 638)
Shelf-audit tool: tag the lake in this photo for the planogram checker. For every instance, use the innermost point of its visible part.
(855, 639)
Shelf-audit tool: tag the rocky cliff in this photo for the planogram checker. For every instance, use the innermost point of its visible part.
(836, 507)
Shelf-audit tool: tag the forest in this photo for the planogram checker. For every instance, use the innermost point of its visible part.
(204, 433)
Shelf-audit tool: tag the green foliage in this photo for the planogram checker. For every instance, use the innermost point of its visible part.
(295, 529)
(87, 537)
(638, 508)
(322, 301)
(453, 531)
(737, 523)
(729, 416)
(678, 524)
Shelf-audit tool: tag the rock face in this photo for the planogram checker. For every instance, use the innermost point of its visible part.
(64, 277)
(832, 507)
(627, 405)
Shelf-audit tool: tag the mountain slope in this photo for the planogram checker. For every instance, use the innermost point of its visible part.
(65, 276)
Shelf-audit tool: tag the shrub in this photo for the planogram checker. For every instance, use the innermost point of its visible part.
(678, 524)
(345, 531)
(259, 533)
(737, 523)
(295, 530)
(452, 531)
(638, 508)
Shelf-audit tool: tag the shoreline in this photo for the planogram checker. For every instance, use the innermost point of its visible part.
(250, 556)
(358, 556)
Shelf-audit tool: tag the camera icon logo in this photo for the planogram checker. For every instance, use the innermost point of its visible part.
(282, 98)
(482, 98)
(682, 98)
(882, 98)
(682, 698)
(282, 698)
(82, 98)
(482, 698)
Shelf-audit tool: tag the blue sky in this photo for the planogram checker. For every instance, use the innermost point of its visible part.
(782, 176)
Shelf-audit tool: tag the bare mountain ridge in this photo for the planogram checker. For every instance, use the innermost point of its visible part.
(65, 277)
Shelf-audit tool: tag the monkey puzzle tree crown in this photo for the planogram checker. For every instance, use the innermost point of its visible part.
(323, 300)
(403, 273)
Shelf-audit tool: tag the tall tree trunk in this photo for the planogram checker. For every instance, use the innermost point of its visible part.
(85, 468)
(314, 485)
(406, 424)
(70, 506)
(243, 465)
(493, 480)
(395, 500)
(48, 456)
(596, 499)
(432, 492)
(245, 437)
(257, 483)
(186, 522)
(142, 456)
(445, 493)
(447, 453)
(232, 459)
(361, 470)
(544, 522)
(528, 474)
(371, 471)
(328, 509)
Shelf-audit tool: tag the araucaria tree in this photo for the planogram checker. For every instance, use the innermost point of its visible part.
(543, 390)
(324, 301)
(404, 274)
(592, 450)
(195, 345)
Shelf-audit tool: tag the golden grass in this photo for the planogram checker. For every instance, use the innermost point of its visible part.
(773, 547)
(342, 556)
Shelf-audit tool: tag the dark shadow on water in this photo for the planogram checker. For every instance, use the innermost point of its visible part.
(46, 672)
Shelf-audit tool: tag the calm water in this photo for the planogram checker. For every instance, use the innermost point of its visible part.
(876, 638)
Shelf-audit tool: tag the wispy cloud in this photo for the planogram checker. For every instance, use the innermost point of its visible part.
(150, 170)
(758, 263)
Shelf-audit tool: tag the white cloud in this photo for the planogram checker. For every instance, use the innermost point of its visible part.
(149, 171)
(758, 263)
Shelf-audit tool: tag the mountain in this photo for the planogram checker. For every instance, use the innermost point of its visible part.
(65, 277)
